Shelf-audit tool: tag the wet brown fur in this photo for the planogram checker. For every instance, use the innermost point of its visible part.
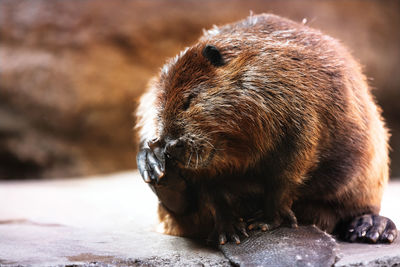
(287, 121)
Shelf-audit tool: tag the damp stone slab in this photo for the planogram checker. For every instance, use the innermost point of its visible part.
(111, 221)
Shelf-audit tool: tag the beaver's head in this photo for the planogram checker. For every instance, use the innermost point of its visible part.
(211, 109)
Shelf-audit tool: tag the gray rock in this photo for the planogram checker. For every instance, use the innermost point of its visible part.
(111, 221)
(103, 221)
(354, 254)
(29, 244)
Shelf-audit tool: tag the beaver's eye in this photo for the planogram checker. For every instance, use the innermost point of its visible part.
(188, 100)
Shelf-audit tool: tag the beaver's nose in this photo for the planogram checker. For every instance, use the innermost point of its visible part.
(174, 149)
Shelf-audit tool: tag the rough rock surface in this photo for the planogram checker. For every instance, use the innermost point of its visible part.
(101, 221)
(369, 255)
(111, 221)
(27, 243)
(71, 70)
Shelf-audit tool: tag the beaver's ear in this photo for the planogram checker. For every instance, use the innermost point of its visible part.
(212, 54)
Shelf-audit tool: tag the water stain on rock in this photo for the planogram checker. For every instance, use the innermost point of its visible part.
(5, 262)
(92, 258)
(25, 221)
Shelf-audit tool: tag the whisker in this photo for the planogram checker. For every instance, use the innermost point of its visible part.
(208, 142)
(217, 149)
(197, 159)
(190, 158)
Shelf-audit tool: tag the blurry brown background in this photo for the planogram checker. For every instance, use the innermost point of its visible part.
(71, 71)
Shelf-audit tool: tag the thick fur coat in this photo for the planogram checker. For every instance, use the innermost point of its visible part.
(263, 114)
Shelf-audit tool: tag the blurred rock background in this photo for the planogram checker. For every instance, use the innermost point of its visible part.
(71, 71)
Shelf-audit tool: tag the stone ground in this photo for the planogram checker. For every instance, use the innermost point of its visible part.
(111, 221)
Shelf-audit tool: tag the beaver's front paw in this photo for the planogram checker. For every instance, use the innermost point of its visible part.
(229, 232)
(265, 223)
(165, 180)
(370, 228)
(151, 168)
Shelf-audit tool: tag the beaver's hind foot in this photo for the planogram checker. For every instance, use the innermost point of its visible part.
(369, 228)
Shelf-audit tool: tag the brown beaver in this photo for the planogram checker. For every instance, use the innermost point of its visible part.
(261, 123)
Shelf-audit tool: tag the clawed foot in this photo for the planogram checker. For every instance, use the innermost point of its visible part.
(229, 232)
(285, 216)
(370, 228)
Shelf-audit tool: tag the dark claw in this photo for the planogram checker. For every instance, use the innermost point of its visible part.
(146, 176)
(390, 232)
(289, 216)
(364, 225)
(373, 236)
(264, 227)
(141, 161)
(241, 227)
(222, 239)
(244, 232)
(154, 165)
(235, 238)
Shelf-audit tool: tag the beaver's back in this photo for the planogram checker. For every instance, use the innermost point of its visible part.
(323, 87)
(316, 82)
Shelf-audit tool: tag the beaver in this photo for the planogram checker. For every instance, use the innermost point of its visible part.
(262, 123)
